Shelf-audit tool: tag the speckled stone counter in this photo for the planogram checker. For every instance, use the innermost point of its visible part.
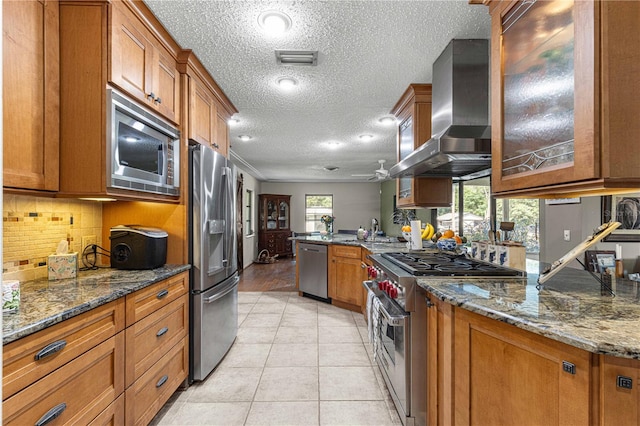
(380, 245)
(571, 307)
(44, 303)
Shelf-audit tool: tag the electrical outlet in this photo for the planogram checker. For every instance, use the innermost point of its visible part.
(88, 240)
(567, 235)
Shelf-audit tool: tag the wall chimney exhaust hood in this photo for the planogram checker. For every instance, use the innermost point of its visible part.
(460, 145)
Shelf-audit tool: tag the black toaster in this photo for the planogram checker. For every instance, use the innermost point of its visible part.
(138, 247)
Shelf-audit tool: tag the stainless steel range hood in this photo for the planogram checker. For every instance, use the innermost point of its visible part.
(460, 145)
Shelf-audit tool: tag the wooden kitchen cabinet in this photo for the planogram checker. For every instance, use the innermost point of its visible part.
(79, 362)
(141, 65)
(565, 86)
(31, 84)
(620, 403)
(86, 386)
(106, 44)
(413, 112)
(274, 228)
(345, 277)
(439, 368)
(157, 342)
(209, 109)
(523, 374)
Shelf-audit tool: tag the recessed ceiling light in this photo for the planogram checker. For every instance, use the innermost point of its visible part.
(233, 121)
(366, 137)
(387, 121)
(287, 83)
(274, 22)
(244, 138)
(331, 168)
(131, 139)
(333, 145)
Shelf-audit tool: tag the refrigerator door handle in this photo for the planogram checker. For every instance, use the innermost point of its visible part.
(226, 291)
(227, 173)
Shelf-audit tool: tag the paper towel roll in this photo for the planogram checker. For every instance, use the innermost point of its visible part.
(416, 235)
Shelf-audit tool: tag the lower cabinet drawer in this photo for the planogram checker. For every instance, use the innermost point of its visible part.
(150, 338)
(31, 358)
(149, 393)
(113, 415)
(150, 299)
(345, 251)
(76, 393)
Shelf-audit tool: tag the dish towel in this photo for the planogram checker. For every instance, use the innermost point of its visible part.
(373, 306)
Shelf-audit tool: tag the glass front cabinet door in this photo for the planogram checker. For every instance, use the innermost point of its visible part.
(413, 113)
(554, 85)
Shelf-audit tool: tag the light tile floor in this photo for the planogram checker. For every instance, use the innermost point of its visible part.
(295, 361)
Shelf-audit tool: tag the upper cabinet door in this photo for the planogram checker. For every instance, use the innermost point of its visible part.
(132, 56)
(31, 81)
(413, 112)
(553, 86)
(141, 66)
(202, 113)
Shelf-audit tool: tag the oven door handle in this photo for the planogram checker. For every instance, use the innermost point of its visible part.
(394, 320)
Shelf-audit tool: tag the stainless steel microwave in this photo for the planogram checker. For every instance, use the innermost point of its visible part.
(143, 150)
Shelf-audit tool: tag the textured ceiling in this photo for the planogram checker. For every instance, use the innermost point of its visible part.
(369, 52)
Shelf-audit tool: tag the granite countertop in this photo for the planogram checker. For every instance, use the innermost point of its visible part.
(571, 307)
(379, 245)
(44, 303)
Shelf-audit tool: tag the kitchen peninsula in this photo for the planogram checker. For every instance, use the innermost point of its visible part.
(570, 359)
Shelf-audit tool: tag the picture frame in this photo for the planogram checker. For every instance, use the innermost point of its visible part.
(598, 260)
(624, 208)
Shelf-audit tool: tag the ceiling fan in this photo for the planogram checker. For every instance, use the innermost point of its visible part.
(379, 174)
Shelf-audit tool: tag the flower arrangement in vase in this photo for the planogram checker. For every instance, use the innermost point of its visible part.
(328, 222)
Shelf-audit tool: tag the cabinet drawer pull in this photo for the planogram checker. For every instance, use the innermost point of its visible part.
(429, 302)
(162, 331)
(158, 100)
(51, 349)
(162, 293)
(151, 96)
(52, 414)
(162, 381)
(216, 146)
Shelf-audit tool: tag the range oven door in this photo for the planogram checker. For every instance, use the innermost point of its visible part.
(392, 348)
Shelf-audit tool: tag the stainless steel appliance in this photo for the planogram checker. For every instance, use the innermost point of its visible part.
(143, 150)
(312, 269)
(400, 319)
(460, 145)
(212, 254)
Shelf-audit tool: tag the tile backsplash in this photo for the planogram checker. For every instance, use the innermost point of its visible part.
(33, 227)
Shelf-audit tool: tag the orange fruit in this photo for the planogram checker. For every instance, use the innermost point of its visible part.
(448, 234)
(458, 239)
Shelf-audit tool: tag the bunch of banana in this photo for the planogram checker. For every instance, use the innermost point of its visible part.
(428, 231)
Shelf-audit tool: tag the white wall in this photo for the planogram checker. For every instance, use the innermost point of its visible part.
(581, 219)
(354, 204)
(249, 242)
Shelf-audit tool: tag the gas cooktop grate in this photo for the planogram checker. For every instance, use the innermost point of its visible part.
(423, 264)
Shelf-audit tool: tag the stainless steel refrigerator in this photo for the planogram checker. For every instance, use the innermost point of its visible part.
(212, 254)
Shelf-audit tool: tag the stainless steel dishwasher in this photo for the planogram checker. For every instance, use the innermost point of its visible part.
(312, 269)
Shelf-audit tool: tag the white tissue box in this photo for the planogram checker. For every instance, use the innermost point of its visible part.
(62, 266)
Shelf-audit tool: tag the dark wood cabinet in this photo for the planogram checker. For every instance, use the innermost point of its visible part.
(275, 227)
(413, 112)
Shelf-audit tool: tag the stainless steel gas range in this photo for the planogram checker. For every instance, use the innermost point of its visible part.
(398, 319)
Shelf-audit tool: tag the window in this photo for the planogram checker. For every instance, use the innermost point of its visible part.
(249, 206)
(476, 214)
(316, 205)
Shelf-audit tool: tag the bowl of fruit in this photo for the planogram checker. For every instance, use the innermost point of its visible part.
(447, 240)
(448, 244)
